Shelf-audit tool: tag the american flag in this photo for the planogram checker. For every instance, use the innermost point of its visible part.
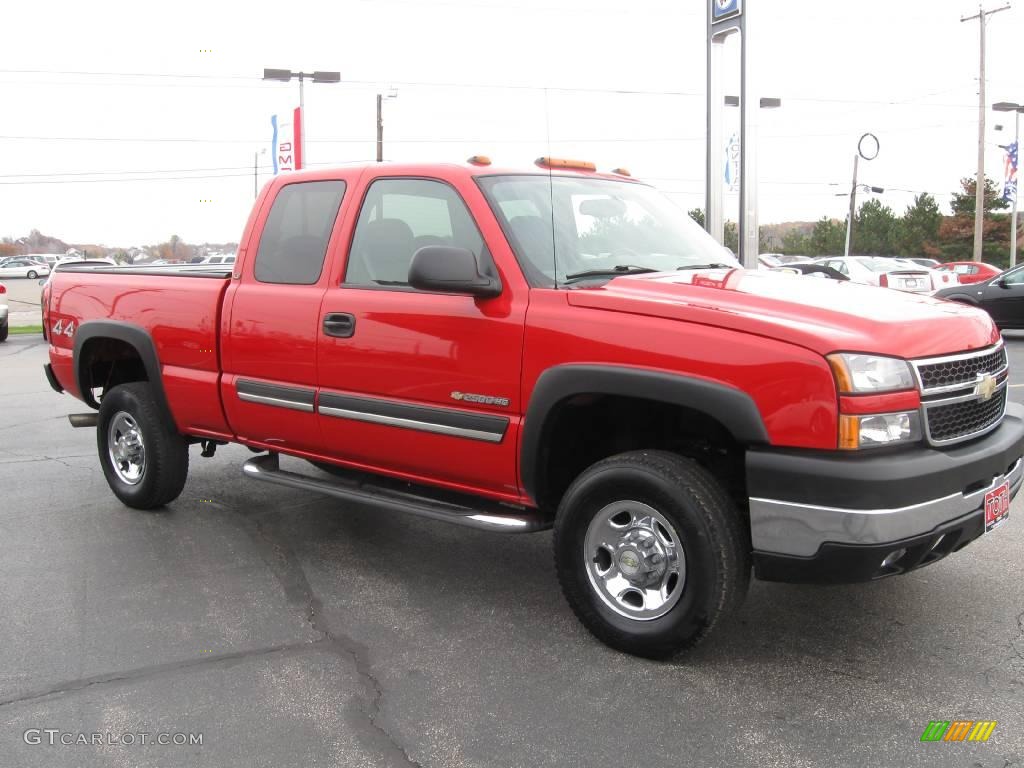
(1010, 183)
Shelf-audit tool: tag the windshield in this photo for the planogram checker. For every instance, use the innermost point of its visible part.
(881, 265)
(578, 228)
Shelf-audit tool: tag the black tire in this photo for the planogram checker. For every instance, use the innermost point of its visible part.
(4, 330)
(165, 466)
(32, 275)
(713, 539)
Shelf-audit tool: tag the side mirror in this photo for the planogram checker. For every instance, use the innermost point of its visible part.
(447, 269)
(42, 281)
(1000, 282)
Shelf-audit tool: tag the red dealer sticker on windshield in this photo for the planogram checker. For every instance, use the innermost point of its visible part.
(997, 506)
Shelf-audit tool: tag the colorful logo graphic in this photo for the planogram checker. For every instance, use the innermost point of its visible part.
(958, 730)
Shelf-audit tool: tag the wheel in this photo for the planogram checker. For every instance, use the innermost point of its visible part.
(4, 330)
(650, 552)
(31, 274)
(144, 459)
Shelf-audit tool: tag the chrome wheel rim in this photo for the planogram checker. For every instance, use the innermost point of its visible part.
(126, 448)
(635, 560)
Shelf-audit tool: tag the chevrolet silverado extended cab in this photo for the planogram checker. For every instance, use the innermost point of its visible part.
(520, 350)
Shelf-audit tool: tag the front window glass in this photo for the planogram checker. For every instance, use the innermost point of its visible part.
(568, 230)
(1016, 277)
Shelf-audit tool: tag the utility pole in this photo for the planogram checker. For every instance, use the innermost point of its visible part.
(380, 128)
(979, 193)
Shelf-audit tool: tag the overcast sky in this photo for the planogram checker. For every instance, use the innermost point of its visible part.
(124, 123)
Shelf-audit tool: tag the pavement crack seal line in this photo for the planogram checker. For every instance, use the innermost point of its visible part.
(292, 576)
(156, 671)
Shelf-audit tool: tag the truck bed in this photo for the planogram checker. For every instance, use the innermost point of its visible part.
(180, 308)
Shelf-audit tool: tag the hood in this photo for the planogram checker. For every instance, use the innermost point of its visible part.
(823, 315)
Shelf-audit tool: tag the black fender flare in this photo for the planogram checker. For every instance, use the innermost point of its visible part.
(136, 337)
(732, 407)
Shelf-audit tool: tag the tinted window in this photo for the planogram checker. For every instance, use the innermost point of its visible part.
(400, 216)
(294, 240)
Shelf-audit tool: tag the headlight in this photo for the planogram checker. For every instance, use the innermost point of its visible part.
(859, 374)
(875, 430)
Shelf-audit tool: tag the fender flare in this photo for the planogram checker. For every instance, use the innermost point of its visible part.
(732, 407)
(136, 337)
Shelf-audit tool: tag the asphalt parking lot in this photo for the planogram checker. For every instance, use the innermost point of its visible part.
(288, 630)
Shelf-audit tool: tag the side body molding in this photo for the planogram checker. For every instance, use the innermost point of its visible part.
(732, 407)
(133, 335)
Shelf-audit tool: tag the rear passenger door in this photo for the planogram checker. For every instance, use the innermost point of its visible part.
(425, 385)
(272, 318)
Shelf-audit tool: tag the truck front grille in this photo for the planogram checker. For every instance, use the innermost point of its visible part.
(965, 419)
(962, 396)
(960, 369)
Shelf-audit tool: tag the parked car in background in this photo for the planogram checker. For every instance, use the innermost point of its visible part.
(969, 272)
(220, 259)
(3, 313)
(22, 267)
(923, 262)
(1001, 296)
(940, 278)
(770, 260)
(885, 273)
(810, 269)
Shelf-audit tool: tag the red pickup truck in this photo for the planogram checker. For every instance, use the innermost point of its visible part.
(518, 350)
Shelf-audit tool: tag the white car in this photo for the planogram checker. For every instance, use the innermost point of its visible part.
(22, 267)
(886, 273)
(220, 259)
(941, 278)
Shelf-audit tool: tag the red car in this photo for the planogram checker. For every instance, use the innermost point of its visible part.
(515, 350)
(971, 271)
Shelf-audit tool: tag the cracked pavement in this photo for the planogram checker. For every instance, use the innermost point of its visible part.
(289, 629)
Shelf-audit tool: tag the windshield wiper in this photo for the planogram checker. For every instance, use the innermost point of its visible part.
(618, 269)
(712, 265)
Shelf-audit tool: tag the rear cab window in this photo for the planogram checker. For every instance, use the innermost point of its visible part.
(294, 240)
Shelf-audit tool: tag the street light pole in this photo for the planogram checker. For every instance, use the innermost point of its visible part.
(285, 75)
(853, 206)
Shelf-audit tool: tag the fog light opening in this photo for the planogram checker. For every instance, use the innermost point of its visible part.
(893, 557)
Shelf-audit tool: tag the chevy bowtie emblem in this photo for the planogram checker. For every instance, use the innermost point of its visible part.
(987, 387)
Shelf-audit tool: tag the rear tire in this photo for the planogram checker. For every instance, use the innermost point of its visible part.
(4, 330)
(32, 275)
(624, 526)
(143, 457)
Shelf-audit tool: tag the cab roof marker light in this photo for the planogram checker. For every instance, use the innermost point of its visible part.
(557, 162)
(621, 172)
(479, 160)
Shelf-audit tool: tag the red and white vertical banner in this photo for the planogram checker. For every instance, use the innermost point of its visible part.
(287, 142)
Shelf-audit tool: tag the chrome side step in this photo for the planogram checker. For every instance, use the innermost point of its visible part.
(487, 516)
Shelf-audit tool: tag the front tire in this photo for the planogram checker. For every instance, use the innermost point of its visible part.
(650, 552)
(143, 457)
(4, 330)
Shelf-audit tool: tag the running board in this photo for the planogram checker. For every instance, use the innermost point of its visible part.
(488, 516)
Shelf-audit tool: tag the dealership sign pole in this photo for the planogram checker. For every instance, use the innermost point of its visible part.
(726, 17)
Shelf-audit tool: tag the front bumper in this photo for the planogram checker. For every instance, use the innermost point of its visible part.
(834, 517)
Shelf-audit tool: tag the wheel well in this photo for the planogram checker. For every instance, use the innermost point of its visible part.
(586, 428)
(103, 363)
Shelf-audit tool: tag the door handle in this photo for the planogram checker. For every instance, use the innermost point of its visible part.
(339, 324)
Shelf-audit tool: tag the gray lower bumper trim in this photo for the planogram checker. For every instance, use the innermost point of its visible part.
(788, 528)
